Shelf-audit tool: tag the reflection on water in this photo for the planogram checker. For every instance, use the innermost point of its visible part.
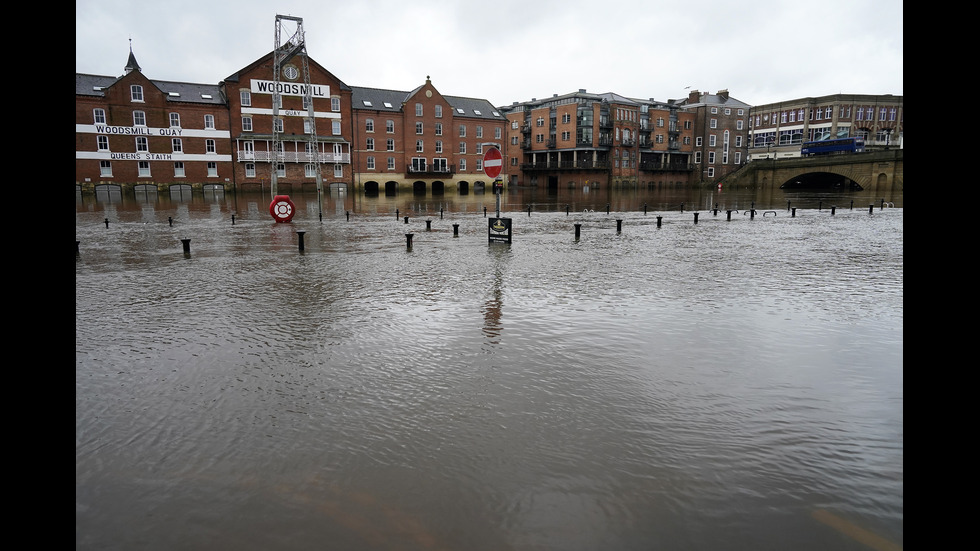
(734, 383)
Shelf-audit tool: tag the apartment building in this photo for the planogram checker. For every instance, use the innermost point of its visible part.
(588, 139)
(721, 134)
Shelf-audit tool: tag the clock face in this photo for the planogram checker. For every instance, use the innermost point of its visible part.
(290, 72)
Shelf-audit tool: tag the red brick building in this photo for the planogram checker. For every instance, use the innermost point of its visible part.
(132, 132)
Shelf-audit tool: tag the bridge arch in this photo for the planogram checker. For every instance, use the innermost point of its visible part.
(821, 180)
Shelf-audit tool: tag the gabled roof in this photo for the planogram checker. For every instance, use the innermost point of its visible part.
(187, 92)
(377, 99)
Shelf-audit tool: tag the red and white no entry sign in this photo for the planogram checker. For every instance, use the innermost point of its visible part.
(493, 161)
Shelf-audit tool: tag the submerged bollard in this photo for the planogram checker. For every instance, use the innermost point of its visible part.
(644, 208)
(682, 208)
(455, 230)
(397, 214)
(232, 219)
(619, 225)
(659, 218)
(187, 245)
(76, 247)
(408, 240)
(696, 217)
(729, 214)
(428, 225)
(833, 209)
(406, 220)
(578, 231)
(794, 212)
(871, 209)
(607, 208)
(787, 204)
(440, 213)
(171, 220)
(300, 234)
(529, 210)
(348, 216)
(484, 211)
(566, 210)
(107, 223)
(752, 214)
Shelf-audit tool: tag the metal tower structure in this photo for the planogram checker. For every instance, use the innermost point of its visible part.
(295, 45)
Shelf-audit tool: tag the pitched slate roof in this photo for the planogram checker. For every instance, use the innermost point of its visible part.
(188, 92)
(377, 99)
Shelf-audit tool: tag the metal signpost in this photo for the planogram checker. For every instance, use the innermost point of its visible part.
(500, 228)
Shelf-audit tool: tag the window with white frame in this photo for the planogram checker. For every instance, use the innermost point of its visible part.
(310, 170)
(250, 170)
(136, 92)
(209, 146)
(139, 118)
(246, 124)
(246, 98)
(462, 131)
(212, 169)
(177, 145)
(418, 128)
(390, 145)
(369, 125)
(438, 129)
(179, 169)
(419, 146)
(712, 140)
(391, 163)
(711, 157)
(462, 165)
(369, 145)
(438, 111)
(335, 105)
(98, 115)
(338, 171)
(335, 128)
(418, 109)
(142, 145)
(209, 122)
(105, 168)
(370, 163)
(496, 133)
(144, 168)
(103, 143)
(462, 148)
(713, 123)
(278, 123)
(175, 120)
(479, 131)
(438, 146)
(390, 126)
(281, 170)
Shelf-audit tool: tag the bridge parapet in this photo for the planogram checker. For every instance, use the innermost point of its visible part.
(876, 170)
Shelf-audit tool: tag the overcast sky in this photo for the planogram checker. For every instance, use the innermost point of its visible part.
(506, 51)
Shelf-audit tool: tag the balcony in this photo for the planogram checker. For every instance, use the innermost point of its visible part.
(651, 166)
(432, 171)
(566, 165)
(292, 157)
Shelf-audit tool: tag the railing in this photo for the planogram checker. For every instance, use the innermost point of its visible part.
(567, 165)
(293, 157)
(441, 170)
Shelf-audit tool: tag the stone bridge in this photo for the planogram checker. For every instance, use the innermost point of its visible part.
(876, 171)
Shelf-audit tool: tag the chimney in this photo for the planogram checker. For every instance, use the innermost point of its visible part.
(694, 97)
(723, 93)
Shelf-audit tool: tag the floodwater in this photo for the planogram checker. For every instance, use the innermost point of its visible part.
(658, 381)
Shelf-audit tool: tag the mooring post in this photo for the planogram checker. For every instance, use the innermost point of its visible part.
(578, 231)
(619, 225)
(696, 217)
(232, 219)
(682, 208)
(428, 225)
(406, 220)
(107, 223)
(408, 240)
(871, 209)
(607, 208)
(794, 212)
(348, 216)
(566, 210)
(729, 214)
(455, 230)
(484, 211)
(440, 212)
(644, 209)
(397, 214)
(187, 245)
(529, 210)
(300, 234)
(833, 210)
(659, 218)
(171, 220)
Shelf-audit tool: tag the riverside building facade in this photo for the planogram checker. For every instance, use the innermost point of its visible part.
(587, 139)
(721, 134)
(777, 130)
(150, 134)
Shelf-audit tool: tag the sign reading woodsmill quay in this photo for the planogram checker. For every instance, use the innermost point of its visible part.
(500, 230)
